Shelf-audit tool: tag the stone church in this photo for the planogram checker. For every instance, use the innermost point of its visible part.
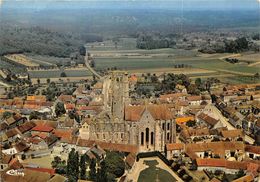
(148, 126)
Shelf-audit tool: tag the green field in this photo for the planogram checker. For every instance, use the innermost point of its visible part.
(13, 68)
(48, 59)
(153, 63)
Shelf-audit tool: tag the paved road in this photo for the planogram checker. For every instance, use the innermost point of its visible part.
(90, 68)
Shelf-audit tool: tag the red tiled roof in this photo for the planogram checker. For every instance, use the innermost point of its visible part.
(65, 98)
(216, 147)
(42, 128)
(211, 121)
(246, 178)
(15, 164)
(174, 146)
(232, 133)
(45, 170)
(26, 126)
(21, 146)
(41, 135)
(36, 98)
(64, 134)
(109, 146)
(212, 162)
(172, 96)
(158, 112)
(194, 98)
(69, 106)
(253, 167)
(12, 132)
(252, 149)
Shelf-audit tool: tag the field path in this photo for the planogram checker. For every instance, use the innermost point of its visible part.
(230, 56)
(236, 72)
(254, 64)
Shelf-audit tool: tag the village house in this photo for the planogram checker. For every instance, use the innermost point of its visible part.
(206, 120)
(194, 100)
(252, 152)
(14, 120)
(251, 124)
(221, 149)
(230, 167)
(174, 150)
(233, 135)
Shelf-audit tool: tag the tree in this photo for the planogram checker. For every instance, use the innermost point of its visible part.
(63, 74)
(56, 162)
(83, 168)
(92, 166)
(198, 82)
(38, 81)
(257, 76)
(7, 114)
(73, 166)
(74, 115)
(191, 123)
(48, 81)
(114, 164)
(60, 109)
(82, 50)
(102, 173)
(76, 165)
(34, 115)
(240, 173)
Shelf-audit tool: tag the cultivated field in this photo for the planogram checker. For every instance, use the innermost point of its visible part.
(48, 60)
(125, 56)
(21, 60)
(57, 73)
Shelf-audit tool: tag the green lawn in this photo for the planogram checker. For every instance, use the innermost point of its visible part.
(154, 174)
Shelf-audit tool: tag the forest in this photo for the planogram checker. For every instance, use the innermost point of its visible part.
(41, 41)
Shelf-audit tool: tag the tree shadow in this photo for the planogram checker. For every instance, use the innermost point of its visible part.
(154, 173)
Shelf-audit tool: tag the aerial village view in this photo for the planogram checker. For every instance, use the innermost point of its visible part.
(130, 91)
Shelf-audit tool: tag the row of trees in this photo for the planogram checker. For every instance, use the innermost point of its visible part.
(152, 84)
(82, 167)
(154, 42)
(228, 46)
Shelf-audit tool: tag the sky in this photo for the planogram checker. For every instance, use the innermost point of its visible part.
(168, 4)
